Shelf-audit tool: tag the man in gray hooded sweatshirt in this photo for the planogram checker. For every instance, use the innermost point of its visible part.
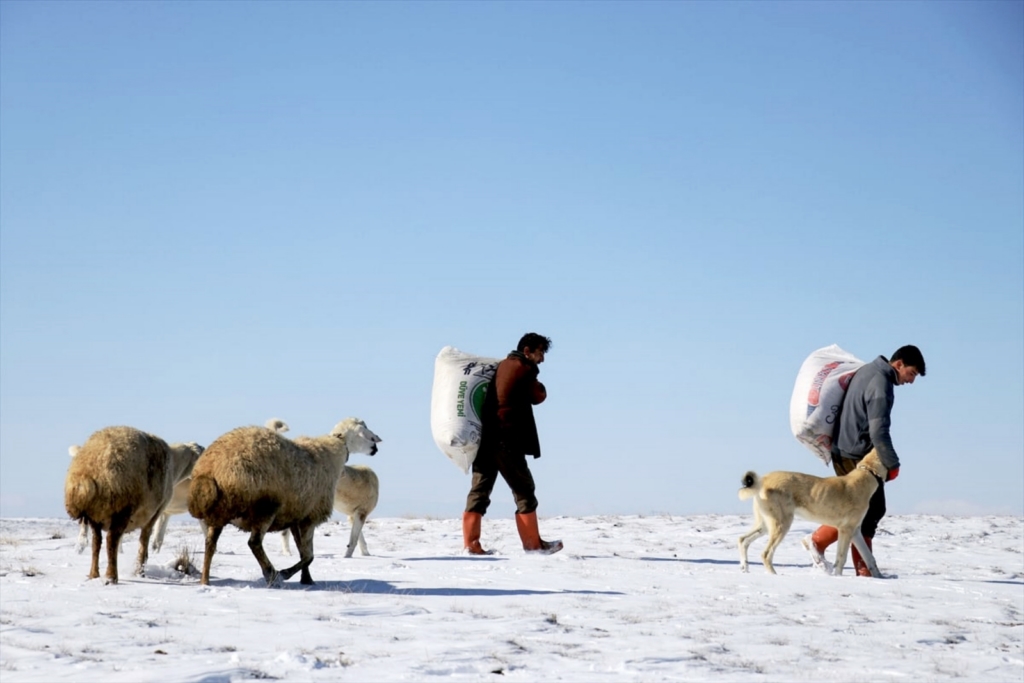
(863, 425)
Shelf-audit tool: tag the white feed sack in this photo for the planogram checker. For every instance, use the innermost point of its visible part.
(460, 384)
(818, 395)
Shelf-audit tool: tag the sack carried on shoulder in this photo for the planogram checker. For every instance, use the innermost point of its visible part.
(818, 395)
(460, 384)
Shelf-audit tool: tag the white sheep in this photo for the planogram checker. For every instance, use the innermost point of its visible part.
(120, 480)
(260, 481)
(355, 496)
(179, 501)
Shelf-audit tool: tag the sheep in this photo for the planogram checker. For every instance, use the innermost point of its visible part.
(260, 482)
(120, 480)
(179, 501)
(356, 496)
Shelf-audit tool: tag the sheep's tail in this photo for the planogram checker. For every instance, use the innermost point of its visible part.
(78, 495)
(276, 424)
(203, 494)
(751, 485)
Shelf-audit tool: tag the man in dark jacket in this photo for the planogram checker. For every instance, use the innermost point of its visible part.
(863, 425)
(508, 435)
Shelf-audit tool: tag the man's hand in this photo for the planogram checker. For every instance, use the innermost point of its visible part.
(893, 473)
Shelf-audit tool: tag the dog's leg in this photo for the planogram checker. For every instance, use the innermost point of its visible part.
(865, 554)
(777, 530)
(756, 532)
(842, 548)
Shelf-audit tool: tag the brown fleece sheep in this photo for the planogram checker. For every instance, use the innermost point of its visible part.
(179, 501)
(261, 482)
(120, 480)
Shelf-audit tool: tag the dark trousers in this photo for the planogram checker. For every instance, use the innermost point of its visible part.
(876, 508)
(491, 460)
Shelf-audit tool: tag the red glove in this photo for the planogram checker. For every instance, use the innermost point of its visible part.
(893, 473)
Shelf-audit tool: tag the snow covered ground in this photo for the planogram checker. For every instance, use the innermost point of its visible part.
(632, 598)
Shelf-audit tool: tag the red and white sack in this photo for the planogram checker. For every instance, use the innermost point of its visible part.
(817, 396)
(460, 384)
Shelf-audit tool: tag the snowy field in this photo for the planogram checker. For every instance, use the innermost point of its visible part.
(632, 598)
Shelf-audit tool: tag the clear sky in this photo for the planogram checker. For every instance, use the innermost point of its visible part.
(212, 214)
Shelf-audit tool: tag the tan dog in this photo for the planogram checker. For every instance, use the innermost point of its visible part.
(841, 502)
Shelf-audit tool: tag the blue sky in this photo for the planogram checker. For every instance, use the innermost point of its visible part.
(216, 213)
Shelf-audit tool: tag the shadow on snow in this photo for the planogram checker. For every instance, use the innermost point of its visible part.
(376, 587)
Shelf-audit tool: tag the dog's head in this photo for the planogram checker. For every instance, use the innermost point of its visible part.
(873, 464)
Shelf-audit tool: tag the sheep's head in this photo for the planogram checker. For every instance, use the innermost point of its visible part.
(357, 436)
(191, 452)
(73, 450)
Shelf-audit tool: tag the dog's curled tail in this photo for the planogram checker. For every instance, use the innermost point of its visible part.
(751, 485)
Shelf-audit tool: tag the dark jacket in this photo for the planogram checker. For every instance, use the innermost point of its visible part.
(863, 421)
(508, 407)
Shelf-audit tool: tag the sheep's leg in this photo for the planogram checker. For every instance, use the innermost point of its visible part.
(356, 535)
(362, 540)
(212, 534)
(97, 543)
(161, 529)
(113, 543)
(140, 562)
(83, 536)
(115, 534)
(285, 545)
(256, 546)
(303, 536)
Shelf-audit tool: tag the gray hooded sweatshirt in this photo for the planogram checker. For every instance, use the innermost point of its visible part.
(864, 417)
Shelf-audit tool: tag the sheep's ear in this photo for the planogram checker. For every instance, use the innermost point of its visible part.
(342, 428)
(196, 448)
(73, 450)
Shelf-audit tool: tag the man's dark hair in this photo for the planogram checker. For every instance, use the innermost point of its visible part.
(910, 355)
(538, 342)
